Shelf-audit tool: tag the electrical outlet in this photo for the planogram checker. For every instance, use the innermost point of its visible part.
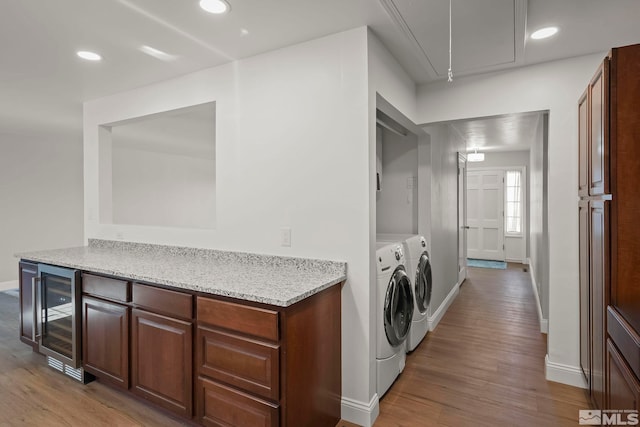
(410, 183)
(285, 236)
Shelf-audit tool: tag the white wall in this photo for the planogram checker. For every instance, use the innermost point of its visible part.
(40, 197)
(445, 145)
(539, 252)
(397, 205)
(162, 189)
(292, 149)
(553, 86)
(516, 248)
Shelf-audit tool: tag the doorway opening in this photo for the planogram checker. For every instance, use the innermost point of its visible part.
(501, 193)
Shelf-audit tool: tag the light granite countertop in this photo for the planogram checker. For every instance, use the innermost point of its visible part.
(274, 280)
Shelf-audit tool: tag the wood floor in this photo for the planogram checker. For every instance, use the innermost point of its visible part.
(484, 364)
(32, 394)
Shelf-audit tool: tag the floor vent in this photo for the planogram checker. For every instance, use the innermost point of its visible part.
(77, 374)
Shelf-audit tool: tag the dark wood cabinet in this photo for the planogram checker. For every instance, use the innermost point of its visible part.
(248, 364)
(105, 337)
(622, 384)
(269, 363)
(244, 364)
(161, 360)
(585, 289)
(584, 181)
(599, 135)
(599, 256)
(222, 406)
(27, 273)
(609, 276)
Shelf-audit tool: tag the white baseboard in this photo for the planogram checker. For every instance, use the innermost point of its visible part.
(565, 374)
(361, 413)
(10, 284)
(435, 318)
(544, 323)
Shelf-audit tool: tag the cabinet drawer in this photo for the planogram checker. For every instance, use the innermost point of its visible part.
(163, 301)
(105, 287)
(223, 406)
(244, 363)
(248, 320)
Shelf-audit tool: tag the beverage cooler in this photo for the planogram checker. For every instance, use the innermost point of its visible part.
(57, 319)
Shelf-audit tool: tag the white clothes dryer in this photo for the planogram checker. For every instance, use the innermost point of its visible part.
(395, 311)
(418, 263)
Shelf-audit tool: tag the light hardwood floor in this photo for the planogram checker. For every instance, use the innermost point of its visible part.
(484, 364)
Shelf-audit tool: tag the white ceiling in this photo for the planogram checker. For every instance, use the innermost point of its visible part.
(43, 83)
(512, 132)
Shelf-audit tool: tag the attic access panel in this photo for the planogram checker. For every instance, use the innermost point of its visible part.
(484, 32)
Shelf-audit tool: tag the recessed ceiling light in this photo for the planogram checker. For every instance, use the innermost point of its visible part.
(543, 33)
(215, 6)
(244, 32)
(89, 56)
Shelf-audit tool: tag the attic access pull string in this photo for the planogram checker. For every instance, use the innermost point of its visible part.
(450, 71)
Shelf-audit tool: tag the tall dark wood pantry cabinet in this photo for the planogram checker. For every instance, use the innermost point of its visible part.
(609, 211)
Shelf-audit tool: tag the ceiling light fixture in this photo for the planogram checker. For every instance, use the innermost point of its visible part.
(543, 33)
(450, 72)
(215, 6)
(89, 56)
(475, 156)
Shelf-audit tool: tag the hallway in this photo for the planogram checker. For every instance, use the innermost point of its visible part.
(484, 364)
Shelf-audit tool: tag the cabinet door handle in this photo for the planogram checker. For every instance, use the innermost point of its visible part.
(35, 296)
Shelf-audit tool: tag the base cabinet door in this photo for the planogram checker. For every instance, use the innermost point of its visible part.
(623, 386)
(222, 406)
(27, 274)
(105, 340)
(161, 361)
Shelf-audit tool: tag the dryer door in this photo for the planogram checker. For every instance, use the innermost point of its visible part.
(398, 307)
(423, 283)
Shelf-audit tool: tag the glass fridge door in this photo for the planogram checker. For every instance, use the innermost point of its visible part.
(59, 325)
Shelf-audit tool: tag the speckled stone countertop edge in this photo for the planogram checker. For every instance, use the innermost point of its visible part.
(196, 288)
(334, 271)
(217, 254)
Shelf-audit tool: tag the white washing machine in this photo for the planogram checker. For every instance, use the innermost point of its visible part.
(419, 268)
(395, 311)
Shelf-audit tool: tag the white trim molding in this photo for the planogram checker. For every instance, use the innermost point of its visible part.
(544, 323)
(435, 318)
(565, 374)
(361, 413)
(10, 284)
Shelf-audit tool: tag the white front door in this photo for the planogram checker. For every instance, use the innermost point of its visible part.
(462, 219)
(485, 214)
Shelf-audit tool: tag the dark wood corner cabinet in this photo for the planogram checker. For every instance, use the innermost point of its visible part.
(27, 273)
(609, 210)
(212, 360)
